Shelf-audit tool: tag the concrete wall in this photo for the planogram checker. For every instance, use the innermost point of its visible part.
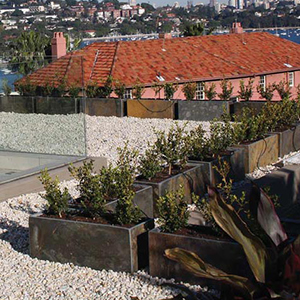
(201, 110)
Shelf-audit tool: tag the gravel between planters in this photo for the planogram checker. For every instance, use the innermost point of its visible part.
(22, 277)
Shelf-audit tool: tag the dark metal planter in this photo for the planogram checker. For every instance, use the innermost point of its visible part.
(143, 199)
(93, 245)
(289, 140)
(193, 180)
(260, 153)
(225, 255)
(235, 160)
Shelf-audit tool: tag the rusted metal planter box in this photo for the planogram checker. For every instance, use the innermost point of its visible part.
(143, 199)
(93, 245)
(235, 160)
(260, 153)
(225, 255)
(160, 109)
(289, 140)
(193, 180)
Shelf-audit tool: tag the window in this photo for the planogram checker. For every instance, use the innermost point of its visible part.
(262, 82)
(200, 95)
(128, 94)
(291, 78)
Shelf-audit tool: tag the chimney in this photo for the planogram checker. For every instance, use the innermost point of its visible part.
(58, 45)
(236, 28)
(165, 35)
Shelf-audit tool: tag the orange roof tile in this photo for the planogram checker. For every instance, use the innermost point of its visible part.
(189, 59)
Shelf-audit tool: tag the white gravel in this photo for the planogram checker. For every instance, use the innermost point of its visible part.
(22, 277)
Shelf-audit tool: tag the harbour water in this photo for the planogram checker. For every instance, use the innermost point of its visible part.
(289, 34)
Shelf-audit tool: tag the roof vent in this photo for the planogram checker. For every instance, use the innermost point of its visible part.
(236, 28)
(160, 78)
(288, 65)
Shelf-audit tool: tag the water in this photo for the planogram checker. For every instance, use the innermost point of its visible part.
(290, 34)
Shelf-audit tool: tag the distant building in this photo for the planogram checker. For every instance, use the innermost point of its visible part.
(260, 56)
(231, 3)
(212, 3)
(189, 4)
(176, 5)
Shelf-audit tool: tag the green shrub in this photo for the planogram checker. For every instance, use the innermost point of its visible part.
(25, 87)
(173, 147)
(92, 90)
(91, 192)
(74, 91)
(189, 90)
(227, 90)
(267, 92)
(120, 89)
(150, 164)
(126, 170)
(210, 91)
(169, 90)
(198, 144)
(246, 91)
(250, 127)
(138, 90)
(6, 87)
(283, 88)
(58, 201)
(172, 211)
(157, 88)
(126, 211)
(108, 88)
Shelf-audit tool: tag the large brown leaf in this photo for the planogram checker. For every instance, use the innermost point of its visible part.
(226, 217)
(194, 264)
(262, 208)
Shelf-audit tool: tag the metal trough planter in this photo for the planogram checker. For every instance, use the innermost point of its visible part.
(260, 153)
(288, 140)
(94, 245)
(143, 199)
(226, 255)
(234, 158)
(193, 180)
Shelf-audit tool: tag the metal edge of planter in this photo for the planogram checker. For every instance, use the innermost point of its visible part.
(250, 166)
(225, 255)
(288, 140)
(126, 246)
(143, 198)
(197, 186)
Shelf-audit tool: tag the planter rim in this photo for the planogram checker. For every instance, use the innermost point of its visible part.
(255, 142)
(39, 216)
(156, 231)
(144, 182)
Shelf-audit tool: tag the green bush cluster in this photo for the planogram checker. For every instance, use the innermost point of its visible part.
(173, 211)
(96, 189)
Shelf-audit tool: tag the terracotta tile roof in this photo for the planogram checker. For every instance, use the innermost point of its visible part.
(191, 58)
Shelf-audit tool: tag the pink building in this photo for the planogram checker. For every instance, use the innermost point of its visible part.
(261, 57)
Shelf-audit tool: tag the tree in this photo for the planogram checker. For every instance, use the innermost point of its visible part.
(194, 30)
(17, 13)
(246, 91)
(227, 90)
(189, 90)
(28, 52)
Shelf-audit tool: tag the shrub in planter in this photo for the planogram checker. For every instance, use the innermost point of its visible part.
(95, 238)
(270, 255)
(189, 90)
(165, 166)
(169, 90)
(138, 90)
(174, 232)
(266, 92)
(227, 90)
(246, 91)
(74, 91)
(284, 90)
(120, 89)
(210, 91)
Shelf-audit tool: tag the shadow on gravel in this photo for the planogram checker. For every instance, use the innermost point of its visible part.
(15, 234)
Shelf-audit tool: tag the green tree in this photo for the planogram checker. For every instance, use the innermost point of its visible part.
(28, 52)
(194, 30)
